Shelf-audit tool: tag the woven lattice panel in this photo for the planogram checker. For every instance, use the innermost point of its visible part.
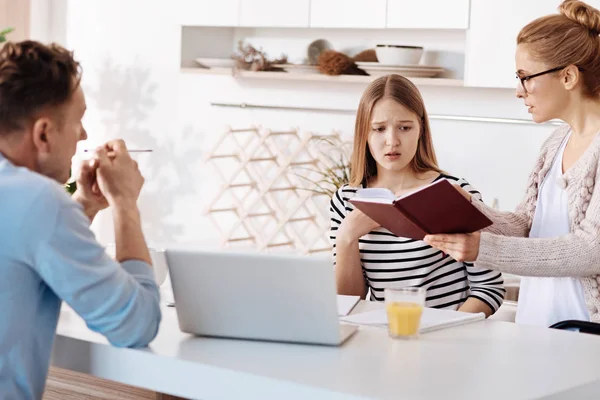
(271, 195)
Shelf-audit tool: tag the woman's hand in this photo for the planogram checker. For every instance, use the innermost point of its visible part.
(354, 226)
(461, 247)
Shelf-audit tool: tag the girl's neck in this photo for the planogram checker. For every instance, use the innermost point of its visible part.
(403, 181)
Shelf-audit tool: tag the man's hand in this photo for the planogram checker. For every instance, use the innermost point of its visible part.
(118, 176)
(354, 226)
(461, 247)
(88, 193)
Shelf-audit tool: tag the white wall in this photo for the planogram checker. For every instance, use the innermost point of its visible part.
(129, 57)
(130, 54)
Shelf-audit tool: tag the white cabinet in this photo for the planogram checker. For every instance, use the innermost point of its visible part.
(275, 13)
(492, 39)
(428, 14)
(207, 12)
(348, 13)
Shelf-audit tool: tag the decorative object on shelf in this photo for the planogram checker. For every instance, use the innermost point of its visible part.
(316, 48)
(3, 34)
(333, 62)
(251, 59)
(368, 55)
(268, 198)
(414, 71)
(389, 54)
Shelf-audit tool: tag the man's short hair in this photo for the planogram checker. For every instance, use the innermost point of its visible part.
(33, 77)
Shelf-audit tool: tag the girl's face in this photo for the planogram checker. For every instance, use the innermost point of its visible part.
(394, 135)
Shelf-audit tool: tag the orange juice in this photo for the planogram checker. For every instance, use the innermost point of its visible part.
(404, 318)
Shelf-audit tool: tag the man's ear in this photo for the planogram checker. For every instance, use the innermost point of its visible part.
(41, 134)
(571, 77)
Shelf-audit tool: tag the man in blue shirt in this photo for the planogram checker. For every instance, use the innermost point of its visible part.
(47, 252)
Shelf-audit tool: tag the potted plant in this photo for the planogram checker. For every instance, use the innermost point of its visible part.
(3, 34)
(332, 170)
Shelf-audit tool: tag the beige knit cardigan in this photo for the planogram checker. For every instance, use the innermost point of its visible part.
(506, 247)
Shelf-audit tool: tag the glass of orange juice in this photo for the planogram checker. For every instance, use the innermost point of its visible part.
(404, 307)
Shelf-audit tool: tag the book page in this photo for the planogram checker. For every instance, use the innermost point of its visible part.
(377, 200)
(375, 193)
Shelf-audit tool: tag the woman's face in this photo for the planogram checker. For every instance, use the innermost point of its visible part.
(394, 135)
(544, 96)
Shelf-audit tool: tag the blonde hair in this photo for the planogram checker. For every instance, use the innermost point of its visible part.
(401, 90)
(569, 38)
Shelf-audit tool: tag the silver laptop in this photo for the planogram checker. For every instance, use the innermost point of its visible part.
(256, 296)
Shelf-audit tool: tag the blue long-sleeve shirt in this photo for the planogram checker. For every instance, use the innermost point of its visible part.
(49, 254)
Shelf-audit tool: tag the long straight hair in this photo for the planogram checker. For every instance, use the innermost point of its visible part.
(362, 165)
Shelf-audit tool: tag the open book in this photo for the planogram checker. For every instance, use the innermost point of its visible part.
(435, 208)
(432, 319)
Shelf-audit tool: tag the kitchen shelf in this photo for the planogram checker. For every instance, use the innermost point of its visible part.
(308, 77)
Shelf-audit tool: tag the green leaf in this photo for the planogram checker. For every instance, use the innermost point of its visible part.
(3, 34)
(71, 186)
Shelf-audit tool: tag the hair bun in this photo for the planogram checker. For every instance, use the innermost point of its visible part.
(582, 13)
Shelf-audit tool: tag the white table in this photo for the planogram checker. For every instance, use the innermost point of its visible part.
(483, 360)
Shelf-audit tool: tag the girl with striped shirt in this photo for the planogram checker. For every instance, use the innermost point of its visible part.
(393, 149)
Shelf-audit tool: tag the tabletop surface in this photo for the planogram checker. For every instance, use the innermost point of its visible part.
(486, 359)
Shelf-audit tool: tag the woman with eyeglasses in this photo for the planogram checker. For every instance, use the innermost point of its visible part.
(553, 237)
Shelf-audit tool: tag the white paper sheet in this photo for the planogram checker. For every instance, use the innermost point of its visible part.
(346, 304)
(431, 320)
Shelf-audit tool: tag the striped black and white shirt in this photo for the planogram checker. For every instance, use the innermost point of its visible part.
(389, 261)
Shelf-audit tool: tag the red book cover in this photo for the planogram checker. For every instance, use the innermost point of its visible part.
(436, 208)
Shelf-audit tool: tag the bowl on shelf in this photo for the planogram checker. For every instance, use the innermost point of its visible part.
(414, 71)
(389, 54)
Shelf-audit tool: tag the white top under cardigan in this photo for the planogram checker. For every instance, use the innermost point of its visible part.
(545, 301)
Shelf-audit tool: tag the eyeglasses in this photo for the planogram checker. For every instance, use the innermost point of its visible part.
(524, 79)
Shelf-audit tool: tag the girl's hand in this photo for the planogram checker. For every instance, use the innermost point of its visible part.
(354, 226)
